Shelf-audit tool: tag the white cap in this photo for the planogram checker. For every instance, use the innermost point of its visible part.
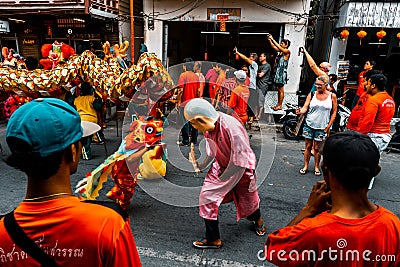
(240, 75)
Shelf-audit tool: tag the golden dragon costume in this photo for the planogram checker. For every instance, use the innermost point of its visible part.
(147, 79)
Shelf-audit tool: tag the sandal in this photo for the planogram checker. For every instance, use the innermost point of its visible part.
(260, 231)
(248, 125)
(317, 173)
(303, 171)
(204, 244)
(276, 108)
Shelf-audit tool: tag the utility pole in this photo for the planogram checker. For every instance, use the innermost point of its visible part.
(131, 5)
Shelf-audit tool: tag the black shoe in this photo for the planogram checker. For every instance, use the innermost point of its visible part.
(99, 143)
(179, 143)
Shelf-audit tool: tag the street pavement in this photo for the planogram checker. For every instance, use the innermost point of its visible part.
(164, 216)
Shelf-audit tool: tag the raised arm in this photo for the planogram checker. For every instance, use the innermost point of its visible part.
(312, 63)
(246, 59)
(275, 45)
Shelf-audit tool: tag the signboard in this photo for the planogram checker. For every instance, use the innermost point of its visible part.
(4, 26)
(28, 42)
(343, 67)
(370, 14)
(234, 14)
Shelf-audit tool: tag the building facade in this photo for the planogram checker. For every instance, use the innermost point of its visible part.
(356, 31)
(25, 25)
(176, 30)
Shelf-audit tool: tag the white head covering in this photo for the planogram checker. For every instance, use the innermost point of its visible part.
(199, 106)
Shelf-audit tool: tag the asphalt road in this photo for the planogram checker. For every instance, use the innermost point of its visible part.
(164, 215)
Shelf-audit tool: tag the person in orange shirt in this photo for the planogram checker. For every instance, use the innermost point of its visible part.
(358, 109)
(202, 80)
(239, 97)
(339, 225)
(44, 139)
(189, 85)
(369, 65)
(378, 112)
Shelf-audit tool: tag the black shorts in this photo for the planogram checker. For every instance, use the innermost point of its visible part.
(253, 102)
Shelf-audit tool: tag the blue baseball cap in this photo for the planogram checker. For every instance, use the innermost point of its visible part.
(48, 125)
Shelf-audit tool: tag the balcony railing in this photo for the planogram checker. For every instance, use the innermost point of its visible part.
(105, 5)
(110, 6)
(41, 2)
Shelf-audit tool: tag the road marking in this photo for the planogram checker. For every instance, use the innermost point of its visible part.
(195, 259)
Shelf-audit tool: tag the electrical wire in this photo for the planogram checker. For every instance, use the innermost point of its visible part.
(196, 5)
(279, 10)
(176, 10)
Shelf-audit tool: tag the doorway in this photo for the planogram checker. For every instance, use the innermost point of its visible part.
(204, 41)
(9, 42)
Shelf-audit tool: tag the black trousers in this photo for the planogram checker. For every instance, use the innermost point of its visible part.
(212, 228)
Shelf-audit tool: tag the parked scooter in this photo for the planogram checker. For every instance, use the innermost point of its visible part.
(395, 141)
(289, 122)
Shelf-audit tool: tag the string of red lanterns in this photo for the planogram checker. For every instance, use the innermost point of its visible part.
(362, 33)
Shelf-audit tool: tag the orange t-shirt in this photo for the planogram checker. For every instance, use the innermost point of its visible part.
(72, 232)
(189, 81)
(378, 112)
(238, 102)
(360, 89)
(331, 241)
(357, 111)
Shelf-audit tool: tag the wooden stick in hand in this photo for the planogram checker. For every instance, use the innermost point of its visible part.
(192, 159)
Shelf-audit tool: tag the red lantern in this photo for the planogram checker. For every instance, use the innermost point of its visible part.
(380, 35)
(361, 34)
(344, 34)
(398, 37)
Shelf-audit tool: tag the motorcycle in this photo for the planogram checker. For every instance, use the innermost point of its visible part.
(395, 141)
(290, 123)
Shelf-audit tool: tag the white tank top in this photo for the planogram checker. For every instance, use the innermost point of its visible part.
(319, 112)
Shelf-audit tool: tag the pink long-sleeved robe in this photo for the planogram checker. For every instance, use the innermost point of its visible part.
(229, 142)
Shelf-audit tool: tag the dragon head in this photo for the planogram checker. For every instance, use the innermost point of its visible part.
(144, 131)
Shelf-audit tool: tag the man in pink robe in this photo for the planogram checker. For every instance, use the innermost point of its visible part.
(231, 176)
